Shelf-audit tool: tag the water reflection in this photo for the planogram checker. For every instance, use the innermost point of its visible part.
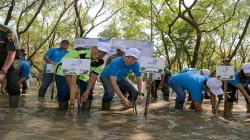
(41, 120)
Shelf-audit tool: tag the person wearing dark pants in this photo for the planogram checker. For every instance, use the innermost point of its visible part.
(62, 92)
(52, 57)
(161, 84)
(9, 66)
(195, 84)
(85, 81)
(240, 82)
(113, 78)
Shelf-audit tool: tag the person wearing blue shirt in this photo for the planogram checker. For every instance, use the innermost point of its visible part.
(52, 56)
(113, 78)
(191, 70)
(240, 82)
(24, 73)
(194, 83)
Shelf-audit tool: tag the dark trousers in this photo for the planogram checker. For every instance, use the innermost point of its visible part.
(125, 86)
(63, 92)
(154, 88)
(231, 90)
(83, 86)
(13, 87)
(47, 80)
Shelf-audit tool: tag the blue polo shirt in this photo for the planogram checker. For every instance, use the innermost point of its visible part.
(192, 70)
(237, 80)
(25, 68)
(194, 83)
(119, 69)
(55, 54)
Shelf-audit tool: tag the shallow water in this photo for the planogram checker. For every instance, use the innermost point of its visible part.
(41, 120)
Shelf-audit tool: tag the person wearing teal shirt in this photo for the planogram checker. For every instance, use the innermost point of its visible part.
(52, 56)
(113, 78)
(195, 84)
(240, 82)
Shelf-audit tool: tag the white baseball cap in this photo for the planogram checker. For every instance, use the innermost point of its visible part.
(246, 68)
(215, 86)
(122, 48)
(205, 72)
(133, 52)
(103, 47)
(65, 39)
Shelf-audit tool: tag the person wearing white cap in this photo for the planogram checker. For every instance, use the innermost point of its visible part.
(205, 72)
(240, 82)
(215, 87)
(194, 83)
(119, 52)
(113, 78)
(85, 81)
(52, 57)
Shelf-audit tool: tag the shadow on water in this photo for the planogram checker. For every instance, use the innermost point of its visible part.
(40, 119)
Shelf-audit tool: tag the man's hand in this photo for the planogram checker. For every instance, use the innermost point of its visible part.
(85, 96)
(140, 99)
(126, 103)
(2, 75)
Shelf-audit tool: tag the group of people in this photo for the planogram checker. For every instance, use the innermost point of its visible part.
(113, 75)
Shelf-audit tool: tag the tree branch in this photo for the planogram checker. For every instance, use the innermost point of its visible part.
(9, 14)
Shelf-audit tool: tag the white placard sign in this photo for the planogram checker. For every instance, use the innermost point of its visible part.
(50, 68)
(145, 47)
(225, 72)
(72, 66)
(156, 76)
(152, 65)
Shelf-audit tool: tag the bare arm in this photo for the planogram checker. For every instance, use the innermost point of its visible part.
(139, 84)
(91, 82)
(125, 101)
(116, 87)
(48, 60)
(243, 91)
(212, 99)
(9, 60)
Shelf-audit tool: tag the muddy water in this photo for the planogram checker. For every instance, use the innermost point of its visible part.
(35, 120)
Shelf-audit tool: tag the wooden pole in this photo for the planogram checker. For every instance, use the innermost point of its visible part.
(53, 86)
(225, 96)
(149, 82)
(72, 93)
(149, 79)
